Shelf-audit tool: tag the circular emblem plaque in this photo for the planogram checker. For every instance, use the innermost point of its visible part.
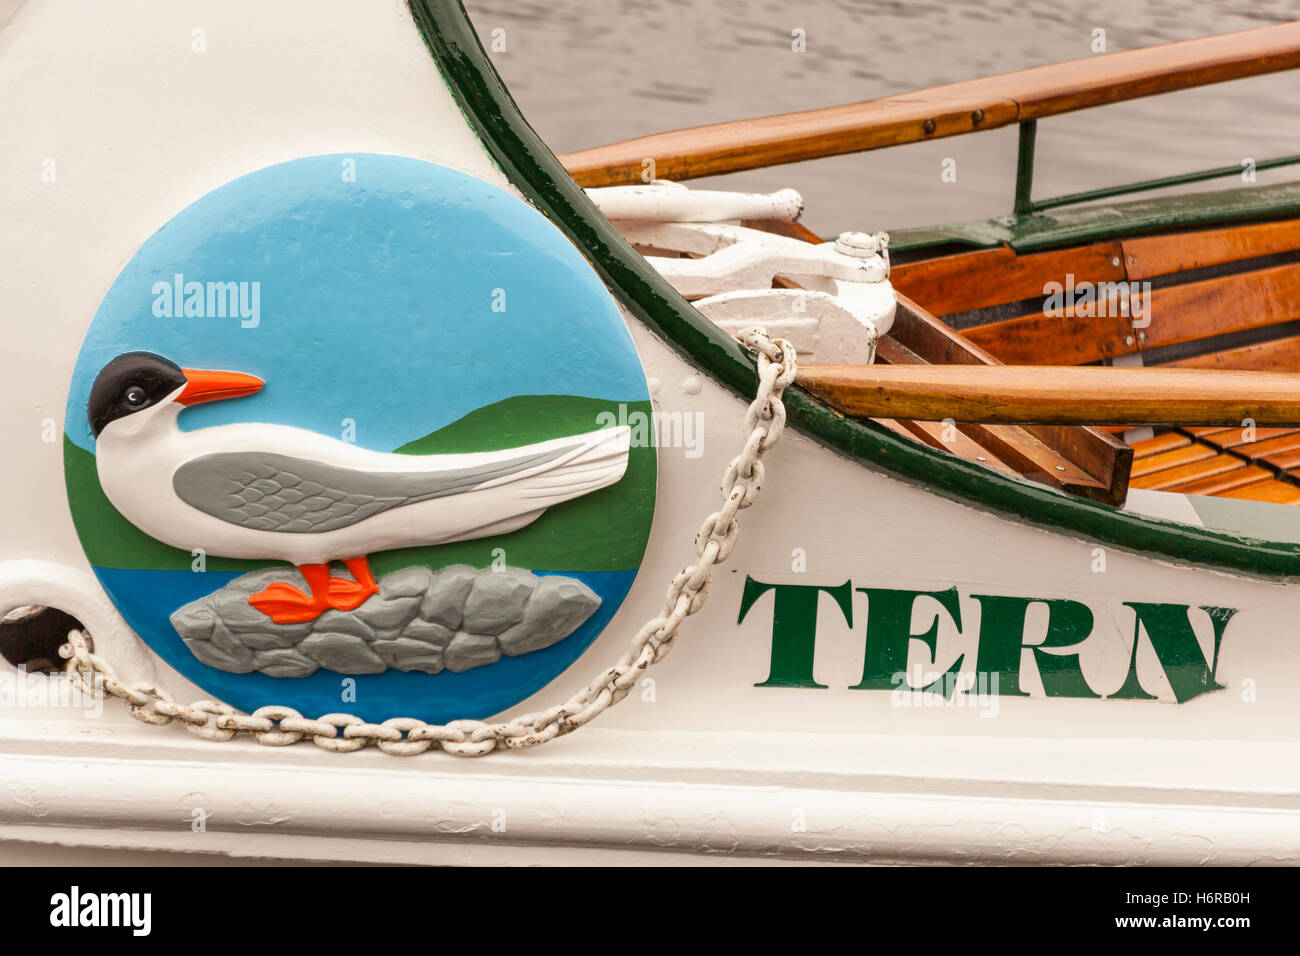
(362, 433)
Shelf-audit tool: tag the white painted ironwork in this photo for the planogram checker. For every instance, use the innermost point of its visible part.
(666, 201)
(842, 305)
(276, 726)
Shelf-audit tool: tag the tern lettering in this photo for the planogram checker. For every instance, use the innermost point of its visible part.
(1033, 647)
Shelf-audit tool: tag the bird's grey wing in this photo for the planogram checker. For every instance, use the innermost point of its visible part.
(270, 492)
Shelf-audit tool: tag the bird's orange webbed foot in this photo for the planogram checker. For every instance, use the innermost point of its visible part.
(285, 604)
(345, 595)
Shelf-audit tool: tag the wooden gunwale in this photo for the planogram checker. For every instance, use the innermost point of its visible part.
(950, 110)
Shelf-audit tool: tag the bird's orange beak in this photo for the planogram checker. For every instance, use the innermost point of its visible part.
(206, 386)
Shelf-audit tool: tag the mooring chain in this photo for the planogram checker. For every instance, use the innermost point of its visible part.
(343, 733)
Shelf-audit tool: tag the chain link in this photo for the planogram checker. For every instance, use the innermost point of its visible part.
(276, 726)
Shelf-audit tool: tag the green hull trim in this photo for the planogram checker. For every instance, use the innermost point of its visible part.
(1038, 232)
(535, 171)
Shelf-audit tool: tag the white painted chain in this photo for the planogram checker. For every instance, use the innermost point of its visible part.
(344, 733)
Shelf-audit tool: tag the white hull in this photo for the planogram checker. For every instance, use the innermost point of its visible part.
(697, 760)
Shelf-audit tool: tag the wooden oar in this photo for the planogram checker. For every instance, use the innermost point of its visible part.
(1056, 395)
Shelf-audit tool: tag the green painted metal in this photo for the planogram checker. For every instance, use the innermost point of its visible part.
(1025, 168)
(525, 159)
(1024, 205)
(1040, 231)
(1147, 185)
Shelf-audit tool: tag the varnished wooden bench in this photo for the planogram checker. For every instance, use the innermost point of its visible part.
(1226, 298)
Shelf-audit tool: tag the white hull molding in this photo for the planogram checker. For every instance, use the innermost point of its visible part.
(665, 799)
(1096, 763)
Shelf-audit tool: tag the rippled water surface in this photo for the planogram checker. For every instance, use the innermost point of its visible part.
(588, 73)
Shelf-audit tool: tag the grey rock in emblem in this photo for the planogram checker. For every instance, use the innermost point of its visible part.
(428, 632)
(455, 619)
(471, 650)
(407, 655)
(222, 651)
(342, 622)
(497, 600)
(558, 605)
(444, 602)
(284, 662)
(344, 653)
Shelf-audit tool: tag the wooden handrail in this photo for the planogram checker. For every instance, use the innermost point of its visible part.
(949, 110)
(1057, 395)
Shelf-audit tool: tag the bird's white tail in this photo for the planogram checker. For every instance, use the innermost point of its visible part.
(599, 460)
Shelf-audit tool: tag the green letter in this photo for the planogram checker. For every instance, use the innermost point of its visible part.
(1002, 638)
(794, 627)
(889, 629)
(1169, 628)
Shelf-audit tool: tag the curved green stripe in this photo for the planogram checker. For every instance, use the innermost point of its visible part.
(525, 159)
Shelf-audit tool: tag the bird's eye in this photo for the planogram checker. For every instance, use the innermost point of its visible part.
(135, 395)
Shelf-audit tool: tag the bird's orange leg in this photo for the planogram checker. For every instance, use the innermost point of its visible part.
(348, 595)
(285, 604)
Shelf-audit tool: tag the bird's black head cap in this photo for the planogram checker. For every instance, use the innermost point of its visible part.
(130, 383)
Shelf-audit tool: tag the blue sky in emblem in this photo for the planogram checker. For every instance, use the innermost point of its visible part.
(375, 302)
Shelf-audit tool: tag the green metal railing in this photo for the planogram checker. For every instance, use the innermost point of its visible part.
(1025, 206)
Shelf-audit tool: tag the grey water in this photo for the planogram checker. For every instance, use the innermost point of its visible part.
(595, 72)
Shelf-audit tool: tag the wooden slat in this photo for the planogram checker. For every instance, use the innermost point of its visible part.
(1008, 394)
(1279, 492)
(1158, 444)
(1268, 439)
(938, 435)
(779, 227)
(939, 344)
(1279, 355)
(1162, 255)
(891, 352)
(1232, 303)
(989, 446)
(1036, 460)
(1227, 481)
(943, 111)
(1042, 339)
(977, 280)
(1284, 460)
(1103, 457)
(1173, 458)
(1167, 478)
